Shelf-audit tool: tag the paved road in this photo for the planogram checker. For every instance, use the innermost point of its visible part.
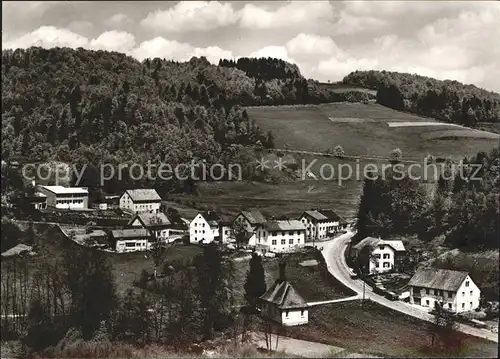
(355, 297)
(334, 254)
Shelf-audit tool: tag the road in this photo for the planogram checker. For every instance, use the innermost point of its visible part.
(334, 253)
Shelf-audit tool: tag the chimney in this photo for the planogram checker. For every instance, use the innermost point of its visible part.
(282, 266)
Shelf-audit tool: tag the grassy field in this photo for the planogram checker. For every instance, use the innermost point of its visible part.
(309, 281)
(361, 129)
(379, 331)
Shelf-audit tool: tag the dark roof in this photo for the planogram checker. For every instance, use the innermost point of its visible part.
(152, 219)
(130, 233)
(140, 195)
(212, 218)
(434, 278)
(289, 225)
(332, 215)
(254, 217)
(284, 295)
(315, 215)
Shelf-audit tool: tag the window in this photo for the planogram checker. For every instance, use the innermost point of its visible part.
(302, 313)
(463, 294)
(377, 256)
(290, 233)
(427, 302)
(286, 313)
(274, 233)
(441, 293)
(450, 294)
(467, 283)
(283, 241)
(463, 305)
(427, 291)
(470, 304)
(387, 256)
(449, 305)
(274, 242)
(382, 247)
(195, 231)
(387, 265)
(290, 241)
(470, 292)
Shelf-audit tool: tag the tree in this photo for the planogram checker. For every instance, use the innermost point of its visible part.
(338, 151)
(255, 284)
(396, 155)
(444, 327)
(239, 232)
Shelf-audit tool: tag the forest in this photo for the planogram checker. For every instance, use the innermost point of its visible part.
(449, 101)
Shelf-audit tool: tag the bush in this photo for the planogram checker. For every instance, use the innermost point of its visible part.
(396, 155)
(338, 151)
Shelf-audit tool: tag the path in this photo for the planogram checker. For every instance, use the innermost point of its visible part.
(334, 254)
(305, 348)
(355, 297)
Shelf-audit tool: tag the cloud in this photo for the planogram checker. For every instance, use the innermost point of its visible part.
(191, 16)
(178, 51)
(118, 21)
(47, 36)
(114, 41)
(279, 52)
(290, 15)
(80, 27)
(305, 46)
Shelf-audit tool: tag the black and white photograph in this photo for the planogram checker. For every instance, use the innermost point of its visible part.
(250, 179)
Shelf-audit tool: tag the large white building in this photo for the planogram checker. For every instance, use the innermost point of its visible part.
(453, 290)
(140, 200)
(321, 224)
(66, 197)
(204, 228)
(377, 255)
(281, 236)
(131, 239)
(283, 304)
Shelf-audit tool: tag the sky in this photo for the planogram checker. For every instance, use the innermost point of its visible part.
(457, 40)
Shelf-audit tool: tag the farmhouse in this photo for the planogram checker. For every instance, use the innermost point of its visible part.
(376, 255)
(248, 222)
(66, 197)
(204, 228)
(140, 200)
(453, 290)
(130, 240)
(37, 201)
(156, 223)
(281, 236)
(283, 304)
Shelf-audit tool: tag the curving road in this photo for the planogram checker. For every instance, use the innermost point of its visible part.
(334, 253)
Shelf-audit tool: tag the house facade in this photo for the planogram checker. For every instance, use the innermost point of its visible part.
(156, 223)
(204, 228)
(140, 200)
(65, 197)
(453, 290)
(250, 221)
(37, 201)
(283, 304)
(321, 223)
(377, 255)
(130, 239)
(281, 236)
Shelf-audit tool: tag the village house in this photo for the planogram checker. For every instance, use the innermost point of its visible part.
(156, 223)
(281, 236)
(65, 197)
(249, 222)
(321, 224)
(204, 228)
(283, 304)
(226, 234)
(377, 256)
(140, 200)
(453, 290)
(37, 201)
(130, 239)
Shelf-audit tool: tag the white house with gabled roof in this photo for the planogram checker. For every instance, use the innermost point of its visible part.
(140, 200)
(281, 236)
(453, 290)
(381, 255)
(204, 228)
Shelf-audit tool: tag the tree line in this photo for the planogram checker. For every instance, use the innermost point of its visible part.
(463, 210)
(449, 101)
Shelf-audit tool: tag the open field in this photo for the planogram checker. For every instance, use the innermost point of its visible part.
(310, 282)
(318, 128)
(371, 331)
(340, 88)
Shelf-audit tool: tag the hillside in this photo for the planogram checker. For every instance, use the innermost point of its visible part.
(449, 101)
